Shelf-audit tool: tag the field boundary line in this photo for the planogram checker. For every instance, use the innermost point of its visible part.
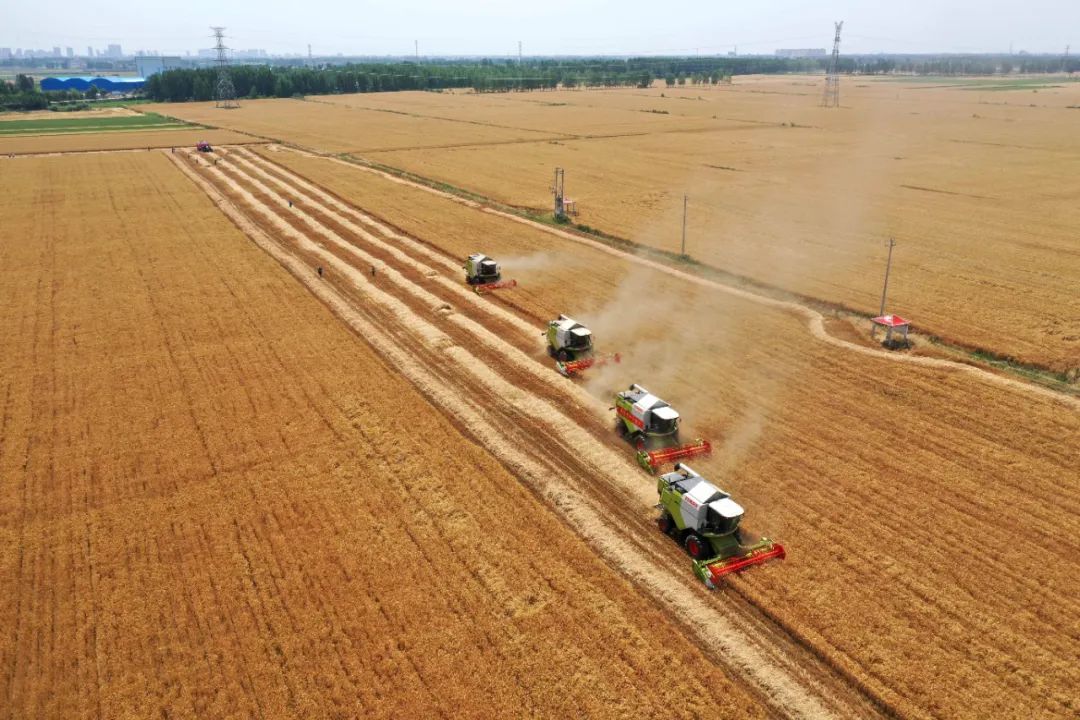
(815, 320)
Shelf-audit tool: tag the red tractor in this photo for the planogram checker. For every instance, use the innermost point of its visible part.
(204, 147)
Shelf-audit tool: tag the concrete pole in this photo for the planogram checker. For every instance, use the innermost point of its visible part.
(682, 250)
(888, 265)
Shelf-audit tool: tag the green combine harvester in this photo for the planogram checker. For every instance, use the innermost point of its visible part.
(568, 339)
(484, 274)
(652, 427)
(571, 344)
(705, 521)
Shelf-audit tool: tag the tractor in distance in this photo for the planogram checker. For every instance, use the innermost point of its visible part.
(204, 146)
(652, 427)
(705, 521)
(484, 275)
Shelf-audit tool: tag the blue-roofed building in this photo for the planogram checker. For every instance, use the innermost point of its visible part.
(83, 83)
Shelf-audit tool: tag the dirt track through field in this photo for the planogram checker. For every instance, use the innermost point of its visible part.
(521, 427)
(815, 321)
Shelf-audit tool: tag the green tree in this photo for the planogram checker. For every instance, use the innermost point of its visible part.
(283, 86)
(202, 88)
(24, 83)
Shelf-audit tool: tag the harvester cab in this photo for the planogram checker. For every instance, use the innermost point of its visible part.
(645, 420)
(705, 521)
(568, 339)
(479, 269)
(484, 275)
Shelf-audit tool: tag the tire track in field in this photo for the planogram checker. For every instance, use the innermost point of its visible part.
(815, 321)
(423, 358)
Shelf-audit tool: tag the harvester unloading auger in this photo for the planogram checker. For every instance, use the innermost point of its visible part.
(705, 521)
(571, 344)
(484, 275)
(652, 427)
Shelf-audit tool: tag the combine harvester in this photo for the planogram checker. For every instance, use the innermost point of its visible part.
(571, 344)
(705, 521)
(204, 146)
(483, 274)
(652, 426)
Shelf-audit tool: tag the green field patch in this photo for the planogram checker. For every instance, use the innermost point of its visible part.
(51, 126)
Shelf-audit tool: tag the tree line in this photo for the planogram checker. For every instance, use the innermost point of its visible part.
(288, 80)
(23, 94)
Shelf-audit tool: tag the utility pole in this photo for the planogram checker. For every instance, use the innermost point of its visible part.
(416, 49)
(519, 53)
(309, 61)
(682, 249)
(888, 265)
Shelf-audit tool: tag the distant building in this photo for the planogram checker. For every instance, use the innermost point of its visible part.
(70, 53)
(5, 54)
(801, 53)
(114, 51)
(56, 51)
(148, 65)
(89, 51)
(106, 84)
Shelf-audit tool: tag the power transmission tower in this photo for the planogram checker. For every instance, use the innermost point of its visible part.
(226, 92)
(831, 98)
(557, 191)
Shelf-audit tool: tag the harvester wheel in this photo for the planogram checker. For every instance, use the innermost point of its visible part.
(666, 523)
(639, 441)
(696, 546)
(620, 427)
(562, 355)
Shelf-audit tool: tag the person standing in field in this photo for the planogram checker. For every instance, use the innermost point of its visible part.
(319, 270)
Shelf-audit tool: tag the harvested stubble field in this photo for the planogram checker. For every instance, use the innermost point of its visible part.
(980, 198)
(218, 501)
(125, 140)
(338, 128)
(977, 186)
(930, 514)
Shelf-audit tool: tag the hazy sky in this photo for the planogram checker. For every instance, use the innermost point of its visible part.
(547, 26)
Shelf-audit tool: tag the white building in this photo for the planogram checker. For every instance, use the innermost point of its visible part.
(148, 65)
